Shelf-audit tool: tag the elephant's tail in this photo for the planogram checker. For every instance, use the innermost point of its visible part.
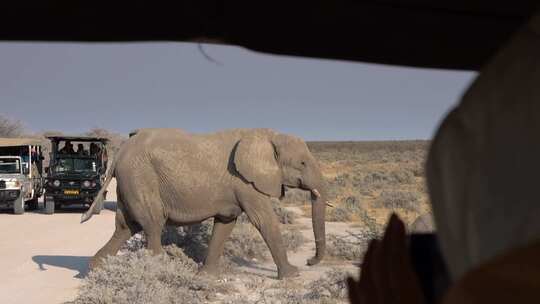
(98, 201)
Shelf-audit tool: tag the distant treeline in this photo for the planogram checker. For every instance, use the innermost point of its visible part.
(15, 128)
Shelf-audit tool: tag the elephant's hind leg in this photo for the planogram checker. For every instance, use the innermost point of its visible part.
(153, 236)
(121, 234)
(220, 232)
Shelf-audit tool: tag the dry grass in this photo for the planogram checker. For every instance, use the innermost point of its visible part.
(399, 199)
(285, 216)
(138, 277)
(372, 179)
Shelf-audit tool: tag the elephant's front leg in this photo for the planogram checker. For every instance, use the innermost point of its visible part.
(261, 214)
(220, 232)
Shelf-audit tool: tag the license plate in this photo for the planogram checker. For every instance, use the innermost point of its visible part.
(71, 192)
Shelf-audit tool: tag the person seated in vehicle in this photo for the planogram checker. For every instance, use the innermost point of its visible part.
(81, 150)
(68, 148)
(25, 158)
(94, 149)
(35, 156)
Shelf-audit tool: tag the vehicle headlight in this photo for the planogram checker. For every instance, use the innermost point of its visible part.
(13, 184)
(56, 183)
(94, 184)
(86, 184)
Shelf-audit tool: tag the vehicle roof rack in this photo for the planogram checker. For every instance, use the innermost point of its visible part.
(17, 142)
(78, 138)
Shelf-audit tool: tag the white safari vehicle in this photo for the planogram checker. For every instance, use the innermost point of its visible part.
(21, 164)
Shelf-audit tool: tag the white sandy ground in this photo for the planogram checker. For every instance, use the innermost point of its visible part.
(43, 258)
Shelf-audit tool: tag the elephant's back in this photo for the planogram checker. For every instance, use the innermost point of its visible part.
(137, 153)
(184, 160)
(156, 137)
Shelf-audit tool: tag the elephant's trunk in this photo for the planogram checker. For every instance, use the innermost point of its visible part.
(318, 209)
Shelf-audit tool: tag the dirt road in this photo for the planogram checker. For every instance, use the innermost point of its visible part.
(43, 257)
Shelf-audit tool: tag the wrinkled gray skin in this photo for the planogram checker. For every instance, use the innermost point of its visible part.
(167, 176)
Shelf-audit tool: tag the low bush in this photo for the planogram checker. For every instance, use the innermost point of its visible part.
(331, 288)
(344, 211)
(352, 203)
(192, 239)
(296, 197)
(382, 179)
(245, 243)
(284, 216)
(138, 277)
(332, 285)
(338, 214)
(353, 246)
(293, 239)
(345, 248)
(396, 199)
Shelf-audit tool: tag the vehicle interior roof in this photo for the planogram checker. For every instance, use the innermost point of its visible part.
(457, 34)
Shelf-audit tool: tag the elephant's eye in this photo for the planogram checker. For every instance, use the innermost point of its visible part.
(303, 163)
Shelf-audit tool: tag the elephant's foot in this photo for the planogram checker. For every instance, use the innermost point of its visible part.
(288, 271)
(94, 263)
(209, 270)
(313, 261)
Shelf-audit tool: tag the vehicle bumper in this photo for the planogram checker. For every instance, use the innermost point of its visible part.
(84, 196)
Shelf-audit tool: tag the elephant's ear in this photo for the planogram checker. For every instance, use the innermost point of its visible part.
(255, 160)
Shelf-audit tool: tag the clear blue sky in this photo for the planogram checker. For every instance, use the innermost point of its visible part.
(75, 87)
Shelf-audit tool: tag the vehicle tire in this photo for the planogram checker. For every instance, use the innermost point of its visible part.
(33, 204)
(18, 205)
(49, 206)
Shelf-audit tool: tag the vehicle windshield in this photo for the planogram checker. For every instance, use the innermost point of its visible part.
(75, 165)
(10, 166)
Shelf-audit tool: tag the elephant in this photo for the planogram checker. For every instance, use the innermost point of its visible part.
(172, 177)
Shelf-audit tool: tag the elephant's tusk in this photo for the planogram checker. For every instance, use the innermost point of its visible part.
(316, 193)
(329, 205)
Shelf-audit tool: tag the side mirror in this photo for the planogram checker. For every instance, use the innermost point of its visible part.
(26, 170)
(47, 169)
